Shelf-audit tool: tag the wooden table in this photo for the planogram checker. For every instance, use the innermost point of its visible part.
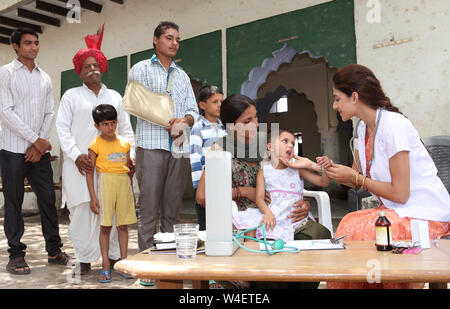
(359, 262)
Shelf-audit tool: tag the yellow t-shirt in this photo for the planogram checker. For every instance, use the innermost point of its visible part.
(111, 155)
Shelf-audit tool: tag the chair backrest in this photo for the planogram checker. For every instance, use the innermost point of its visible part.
(439, 146)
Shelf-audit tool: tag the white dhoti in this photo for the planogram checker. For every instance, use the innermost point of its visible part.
(84, 231)
(75, 128)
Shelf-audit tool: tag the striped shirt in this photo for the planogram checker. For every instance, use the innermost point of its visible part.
(152, 74)
(26, 106)
(203, 135)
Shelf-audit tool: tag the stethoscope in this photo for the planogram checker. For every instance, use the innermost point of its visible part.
(355, 137)
(271, 248)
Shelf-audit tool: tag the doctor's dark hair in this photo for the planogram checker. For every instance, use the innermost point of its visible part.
(233, 107)
(104, 112)
(163, 26)
(360, 79)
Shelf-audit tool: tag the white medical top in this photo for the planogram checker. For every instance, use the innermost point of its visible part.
(428, 199)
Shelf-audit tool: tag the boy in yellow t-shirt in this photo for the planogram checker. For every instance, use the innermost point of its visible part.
(111, 155)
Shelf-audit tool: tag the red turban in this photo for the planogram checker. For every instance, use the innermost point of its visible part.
(94, 43)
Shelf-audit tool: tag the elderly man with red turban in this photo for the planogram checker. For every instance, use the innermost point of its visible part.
(75, 128)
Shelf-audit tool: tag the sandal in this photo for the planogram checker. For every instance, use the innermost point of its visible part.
(107, 275)
(126, 276)
(62, 259)
(147, 282)
(16, 263)
(214, 285)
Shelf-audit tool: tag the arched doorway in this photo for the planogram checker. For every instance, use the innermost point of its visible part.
(306, 81)
(304, 121)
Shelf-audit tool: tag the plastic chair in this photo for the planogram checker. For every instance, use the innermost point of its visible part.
(323, 207)
(354, 198)
(439, 146)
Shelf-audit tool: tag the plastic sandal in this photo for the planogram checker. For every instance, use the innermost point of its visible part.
(126, 276)
(107, 274)
(147, 282)
(215, 285)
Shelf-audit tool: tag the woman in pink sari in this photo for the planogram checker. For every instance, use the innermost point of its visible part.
(391, 162)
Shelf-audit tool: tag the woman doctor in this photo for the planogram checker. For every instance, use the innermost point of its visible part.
(390, 161)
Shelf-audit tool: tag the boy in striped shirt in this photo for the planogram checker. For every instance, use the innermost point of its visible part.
(204, 134)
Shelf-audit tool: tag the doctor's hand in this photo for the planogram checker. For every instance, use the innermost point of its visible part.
(341, 173)
(324, 162)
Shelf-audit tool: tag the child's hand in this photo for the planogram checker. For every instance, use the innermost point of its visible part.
(95, 207)
(131, 163)
(269, 220)
(324, 162)
(300, 163)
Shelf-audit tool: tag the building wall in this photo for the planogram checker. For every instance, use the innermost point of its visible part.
(129, 29)
(415, 74)
(4, 4)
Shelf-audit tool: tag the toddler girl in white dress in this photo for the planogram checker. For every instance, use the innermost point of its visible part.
(282, 178)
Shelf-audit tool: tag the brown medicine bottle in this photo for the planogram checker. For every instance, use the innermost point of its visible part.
(383, 232)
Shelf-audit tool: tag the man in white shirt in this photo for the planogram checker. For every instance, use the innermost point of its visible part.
(26, 115)
(75, 128)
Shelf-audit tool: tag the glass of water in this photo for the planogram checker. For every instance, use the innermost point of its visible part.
(186, 237)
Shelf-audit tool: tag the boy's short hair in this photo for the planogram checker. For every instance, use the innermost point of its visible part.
(208, 91)
(205, 93)
(104, 112)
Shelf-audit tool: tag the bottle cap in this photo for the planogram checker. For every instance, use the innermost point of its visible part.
(382, 213)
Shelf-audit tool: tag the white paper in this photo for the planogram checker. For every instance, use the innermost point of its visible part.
(168, 237)
(317, 244)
